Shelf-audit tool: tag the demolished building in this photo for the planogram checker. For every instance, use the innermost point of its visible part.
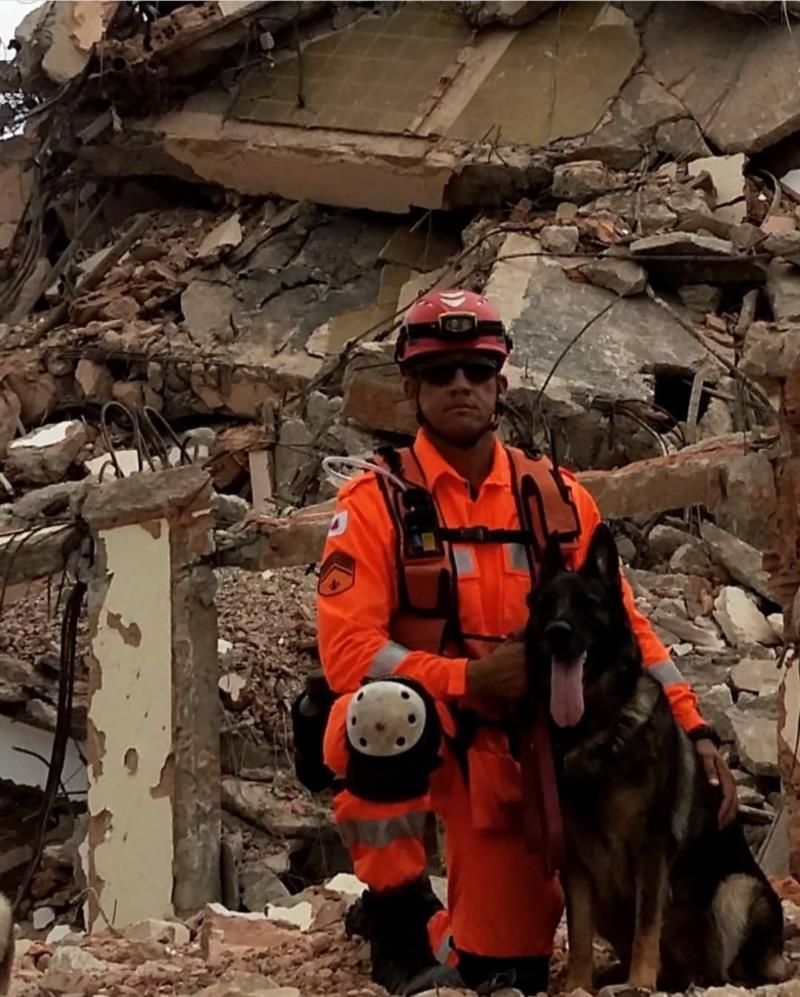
(213, 216)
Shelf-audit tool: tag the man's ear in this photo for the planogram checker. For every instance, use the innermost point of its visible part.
(553, 560)
(602, 558)
(410, 388)
(502, 386)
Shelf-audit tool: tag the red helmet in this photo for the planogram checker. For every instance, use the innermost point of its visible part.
(446, 321)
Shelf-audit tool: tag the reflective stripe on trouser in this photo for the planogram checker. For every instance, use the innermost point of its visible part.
(441, 939)
(385, 840)
(501, 901)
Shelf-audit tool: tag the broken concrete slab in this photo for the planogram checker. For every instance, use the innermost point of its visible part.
(291, 457)
(743, 562)
(227, 234)
(716, 704)
(623, 277)
(94, 380)
(642, 107)
(65, 35)
(428, 140)
(701, 633)
(706, 259)
(373, 391)
(726, 174)
(663, 541)
(700, 298)
(560, 239)
(45, 455)
(731, 80)
(740, 619)
(690, 559)
(71, 959)
(783, 291)
(696, 475)
(544, 311)
(261, 888)
(682, 140)
(207, 308)
(580, 181)
(511, 13)
(756, 741)
(757, 675)
(786, 244)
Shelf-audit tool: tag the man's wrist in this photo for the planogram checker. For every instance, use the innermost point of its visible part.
(704, 733)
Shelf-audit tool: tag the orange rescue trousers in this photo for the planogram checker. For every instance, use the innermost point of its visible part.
(501, 902)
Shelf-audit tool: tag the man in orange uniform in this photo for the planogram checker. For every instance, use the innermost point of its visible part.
(423, 591)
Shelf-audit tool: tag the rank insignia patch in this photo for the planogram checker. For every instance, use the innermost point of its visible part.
(337, 574)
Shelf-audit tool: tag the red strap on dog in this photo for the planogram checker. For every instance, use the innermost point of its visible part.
(543, 827)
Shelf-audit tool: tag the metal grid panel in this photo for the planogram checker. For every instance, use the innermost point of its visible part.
(372, 76)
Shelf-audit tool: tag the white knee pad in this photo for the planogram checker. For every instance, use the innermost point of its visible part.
(385, 719)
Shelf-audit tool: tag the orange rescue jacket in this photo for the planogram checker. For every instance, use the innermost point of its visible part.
(474, 593)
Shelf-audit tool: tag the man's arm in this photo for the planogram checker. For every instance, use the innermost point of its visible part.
(357, 595)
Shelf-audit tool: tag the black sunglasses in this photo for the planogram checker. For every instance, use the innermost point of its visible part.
(477, 371)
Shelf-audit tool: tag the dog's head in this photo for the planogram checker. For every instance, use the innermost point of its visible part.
(578, 626)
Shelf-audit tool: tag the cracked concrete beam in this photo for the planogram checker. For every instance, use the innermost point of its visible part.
(176, 494)
(694, 476)
(31, 554)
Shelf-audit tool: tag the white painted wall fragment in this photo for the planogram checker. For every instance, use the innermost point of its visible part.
(130, 714)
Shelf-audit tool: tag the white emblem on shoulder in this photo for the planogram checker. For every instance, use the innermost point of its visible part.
(338, 524)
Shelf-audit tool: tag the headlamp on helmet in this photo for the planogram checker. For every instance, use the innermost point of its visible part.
(442, 320)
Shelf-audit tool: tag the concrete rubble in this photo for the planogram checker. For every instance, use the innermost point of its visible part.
(212, 217)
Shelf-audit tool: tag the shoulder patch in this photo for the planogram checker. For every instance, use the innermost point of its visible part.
(337, 574)
(338, 524)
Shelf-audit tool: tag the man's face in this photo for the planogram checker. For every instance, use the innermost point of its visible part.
(457, 394)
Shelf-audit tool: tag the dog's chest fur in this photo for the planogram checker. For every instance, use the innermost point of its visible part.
(610, 791)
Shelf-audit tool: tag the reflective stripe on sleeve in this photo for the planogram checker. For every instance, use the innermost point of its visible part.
(667, 673)
(387, 659)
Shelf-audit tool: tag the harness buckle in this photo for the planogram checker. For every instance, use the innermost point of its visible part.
(474, 534)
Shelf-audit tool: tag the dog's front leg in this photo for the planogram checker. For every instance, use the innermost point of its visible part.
(651, 891)
(580, 927)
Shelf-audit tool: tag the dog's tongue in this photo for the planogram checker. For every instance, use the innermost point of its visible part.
(566, 691)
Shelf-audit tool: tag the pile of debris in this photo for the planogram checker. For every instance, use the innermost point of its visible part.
(291, 951)
(630, 267)
(211, 223)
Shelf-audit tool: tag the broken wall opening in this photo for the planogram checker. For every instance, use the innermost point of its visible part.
(672, 393)
(47, 885)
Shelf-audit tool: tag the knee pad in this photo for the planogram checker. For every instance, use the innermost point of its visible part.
(393, 740)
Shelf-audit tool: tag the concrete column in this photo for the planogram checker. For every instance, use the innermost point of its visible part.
(152, 845)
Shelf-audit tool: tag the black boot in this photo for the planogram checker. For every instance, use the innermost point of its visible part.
(395, 922)
(485, 974)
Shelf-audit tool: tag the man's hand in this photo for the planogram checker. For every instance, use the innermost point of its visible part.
(503, 674)
(718, 774)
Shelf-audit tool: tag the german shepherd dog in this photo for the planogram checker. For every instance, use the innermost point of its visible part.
(646, 866)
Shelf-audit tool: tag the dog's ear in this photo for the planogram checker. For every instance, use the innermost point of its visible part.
(553, 559)
(602, 558)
